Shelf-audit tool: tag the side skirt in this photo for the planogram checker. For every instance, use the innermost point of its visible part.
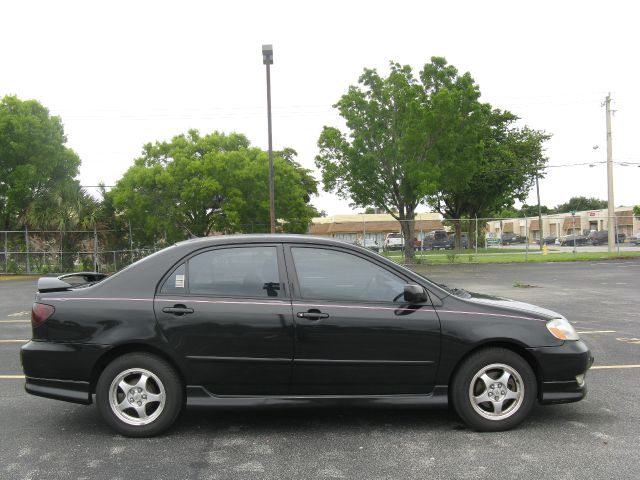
(198, 396)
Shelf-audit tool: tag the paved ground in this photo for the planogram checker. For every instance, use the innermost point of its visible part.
(597, 438)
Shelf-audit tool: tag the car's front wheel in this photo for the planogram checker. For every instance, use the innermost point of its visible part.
(494, 390)
(139, 395)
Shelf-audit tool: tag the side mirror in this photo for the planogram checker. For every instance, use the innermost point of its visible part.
(415, 294)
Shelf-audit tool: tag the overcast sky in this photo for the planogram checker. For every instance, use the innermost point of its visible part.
(121, 74)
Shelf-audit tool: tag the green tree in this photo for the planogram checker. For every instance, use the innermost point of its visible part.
(386, 160)
(35, 164)
(532, 210)
(486, 162)
(580, 204)
(636, 210)
(195, 185)
(428, 140)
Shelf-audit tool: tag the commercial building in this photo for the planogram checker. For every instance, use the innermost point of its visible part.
(561, 224)
(370, 229)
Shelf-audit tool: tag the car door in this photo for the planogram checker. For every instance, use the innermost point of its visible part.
(354, 334)
(227, 312)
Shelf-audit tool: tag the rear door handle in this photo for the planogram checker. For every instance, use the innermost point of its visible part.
(178, 310)
(312, 315)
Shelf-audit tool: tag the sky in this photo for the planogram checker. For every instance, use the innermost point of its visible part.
(122, 74)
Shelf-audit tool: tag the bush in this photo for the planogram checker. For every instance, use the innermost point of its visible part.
(87, 264)
(12, 267)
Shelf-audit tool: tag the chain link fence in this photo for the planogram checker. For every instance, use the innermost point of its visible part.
(434, 239)
(50, 251)
(434, 236)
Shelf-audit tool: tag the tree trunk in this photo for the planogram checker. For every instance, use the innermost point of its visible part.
(408, 227)
(472, 234)
(458, 230)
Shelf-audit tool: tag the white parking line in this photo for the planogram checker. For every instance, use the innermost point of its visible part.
(607, 367)
(14, 341)
(597, 331)
(15, 321)
(9, 377)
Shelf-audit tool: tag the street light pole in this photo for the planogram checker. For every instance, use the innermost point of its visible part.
(267, 59)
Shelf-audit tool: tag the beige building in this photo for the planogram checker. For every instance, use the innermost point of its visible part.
(369, 229)
(561, 224)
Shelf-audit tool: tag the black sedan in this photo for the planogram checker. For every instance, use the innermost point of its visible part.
(258, 321)
(511, 238)
(549, 240)
(571, 240)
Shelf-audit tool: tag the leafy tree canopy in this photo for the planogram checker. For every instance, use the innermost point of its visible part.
(486, 161)
(581, 203)
(524, 211)
(386, 161)
(196, 185)
(429, 140)
(36, 168)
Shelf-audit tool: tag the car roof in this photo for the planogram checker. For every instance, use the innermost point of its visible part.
(259, 238)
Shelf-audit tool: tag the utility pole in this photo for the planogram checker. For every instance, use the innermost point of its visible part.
(539, 214)
(611, 214)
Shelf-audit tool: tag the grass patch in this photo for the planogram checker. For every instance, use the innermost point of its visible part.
(524, 285)
(439, 258)
(4, 278)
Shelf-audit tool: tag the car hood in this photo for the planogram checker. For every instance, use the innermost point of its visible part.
(512, 305)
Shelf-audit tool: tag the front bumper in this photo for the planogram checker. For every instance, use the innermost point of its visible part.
(561, 370)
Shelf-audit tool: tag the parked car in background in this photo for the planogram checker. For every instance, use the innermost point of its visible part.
(549, 240)
(285, 320)
(577, 240)
(601, 237)
(510, 238)
(393, 241)
(372, 244)
(464, 240)
(437, 240)
(635, 240)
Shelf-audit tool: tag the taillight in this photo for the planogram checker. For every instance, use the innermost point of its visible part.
(40, 313)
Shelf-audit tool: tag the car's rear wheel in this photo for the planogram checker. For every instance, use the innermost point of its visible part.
(494, 390)
(139, 395)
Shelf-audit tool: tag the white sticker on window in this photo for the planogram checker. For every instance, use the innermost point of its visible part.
(179, 281)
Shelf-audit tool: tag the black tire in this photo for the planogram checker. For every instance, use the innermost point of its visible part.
(515, 397)
(159, 399)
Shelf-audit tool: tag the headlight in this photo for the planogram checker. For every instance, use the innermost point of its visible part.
(562, 329)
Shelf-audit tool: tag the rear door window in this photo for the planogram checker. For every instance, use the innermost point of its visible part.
(237, 272)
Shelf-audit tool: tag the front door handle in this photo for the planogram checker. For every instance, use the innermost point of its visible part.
(312, 315)
(178, 310)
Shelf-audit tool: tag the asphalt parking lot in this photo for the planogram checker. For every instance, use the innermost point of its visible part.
(597, 438)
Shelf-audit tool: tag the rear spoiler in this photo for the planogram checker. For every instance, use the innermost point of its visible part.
(69, 280)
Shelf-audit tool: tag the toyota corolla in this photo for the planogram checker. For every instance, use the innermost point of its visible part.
(283, 320)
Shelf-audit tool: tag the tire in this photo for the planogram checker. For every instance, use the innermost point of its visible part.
(135, 406)
(489, 374)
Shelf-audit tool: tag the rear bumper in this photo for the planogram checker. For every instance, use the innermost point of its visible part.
(60, 370)
(67, 390)
(563, 372)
